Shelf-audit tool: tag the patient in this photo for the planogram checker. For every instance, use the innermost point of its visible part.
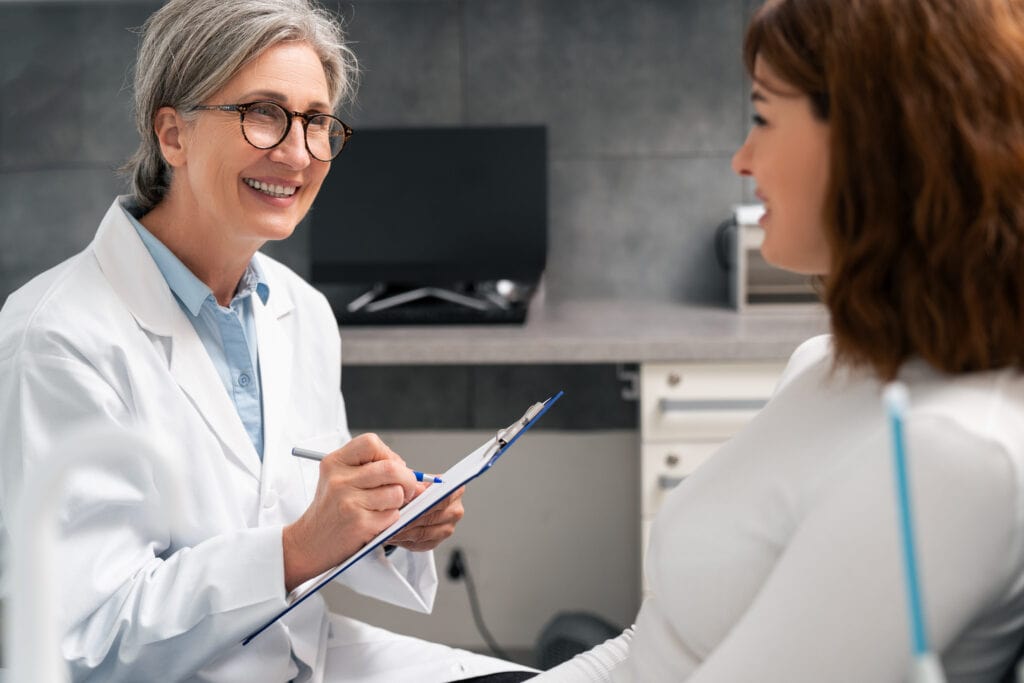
(888, 148)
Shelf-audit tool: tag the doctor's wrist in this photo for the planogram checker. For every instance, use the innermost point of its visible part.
(298, 566)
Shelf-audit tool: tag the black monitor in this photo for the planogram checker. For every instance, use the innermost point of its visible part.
(433, 207)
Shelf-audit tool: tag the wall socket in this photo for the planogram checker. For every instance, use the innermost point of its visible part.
(456, 565)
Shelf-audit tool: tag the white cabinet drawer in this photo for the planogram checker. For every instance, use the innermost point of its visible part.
(702, 401)
(664, 466)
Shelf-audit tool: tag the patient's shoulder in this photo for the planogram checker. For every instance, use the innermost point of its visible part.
(815, 352)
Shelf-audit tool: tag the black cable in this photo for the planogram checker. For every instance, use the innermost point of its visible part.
(459, 568)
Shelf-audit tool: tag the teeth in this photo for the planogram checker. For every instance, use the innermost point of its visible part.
(272, 190)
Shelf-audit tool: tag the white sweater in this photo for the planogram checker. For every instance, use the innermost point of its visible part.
(779, 561)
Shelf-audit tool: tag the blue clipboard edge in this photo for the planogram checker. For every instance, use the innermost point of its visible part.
(370, 548)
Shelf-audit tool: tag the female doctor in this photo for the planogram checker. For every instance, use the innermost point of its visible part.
(172, 324)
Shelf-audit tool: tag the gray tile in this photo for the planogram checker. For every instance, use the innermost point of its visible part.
(650, 77)
(409, 53)
(46, 217)
(65, 72)
(634, 229)
(483, 397)
(406, 397)
(592, 400)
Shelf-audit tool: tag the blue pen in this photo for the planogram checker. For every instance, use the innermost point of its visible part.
(427, 478)
(925, 666)
(318, 456)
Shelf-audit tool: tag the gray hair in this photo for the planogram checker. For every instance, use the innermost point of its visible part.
(191, 48)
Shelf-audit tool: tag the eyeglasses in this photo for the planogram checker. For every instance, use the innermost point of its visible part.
(266, 124)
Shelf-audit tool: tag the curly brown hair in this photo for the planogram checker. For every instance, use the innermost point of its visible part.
(924, 213)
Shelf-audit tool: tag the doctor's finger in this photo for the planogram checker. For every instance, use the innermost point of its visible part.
(365, 448)
(374, 474)
(419, 488)
(382, 498)
(423, 538)
(448, 511)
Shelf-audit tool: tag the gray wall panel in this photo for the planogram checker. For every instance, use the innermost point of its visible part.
(484, 397)
(47, 216)
(66, 76)
(645, 102)
(410, 58)
(634, 229)
(610, 78)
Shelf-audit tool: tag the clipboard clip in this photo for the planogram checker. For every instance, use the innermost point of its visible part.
(506, 435)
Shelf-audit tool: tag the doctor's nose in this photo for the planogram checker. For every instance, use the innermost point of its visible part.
(292, 150)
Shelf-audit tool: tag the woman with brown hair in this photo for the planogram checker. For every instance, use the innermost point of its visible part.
(888, 149)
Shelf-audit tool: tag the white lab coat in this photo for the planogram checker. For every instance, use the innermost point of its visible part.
(101, 337)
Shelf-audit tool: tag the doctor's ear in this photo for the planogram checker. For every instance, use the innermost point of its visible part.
(169, 127)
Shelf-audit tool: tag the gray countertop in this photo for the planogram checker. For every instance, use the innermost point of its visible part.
(592, 332)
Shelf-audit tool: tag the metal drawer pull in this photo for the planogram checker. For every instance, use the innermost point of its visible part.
(667, 481)
(670, 405)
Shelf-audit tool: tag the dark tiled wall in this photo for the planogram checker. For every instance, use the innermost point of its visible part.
(645, 102)
(485, 396)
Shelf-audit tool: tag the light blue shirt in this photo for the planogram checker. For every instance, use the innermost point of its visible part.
(227, 333)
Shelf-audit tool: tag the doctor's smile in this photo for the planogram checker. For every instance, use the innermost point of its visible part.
(279, 190)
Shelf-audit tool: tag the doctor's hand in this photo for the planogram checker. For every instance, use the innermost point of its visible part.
(433, 527)
(362, 485)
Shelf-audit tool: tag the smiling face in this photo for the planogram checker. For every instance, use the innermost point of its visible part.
(251, 195)
(787, 154)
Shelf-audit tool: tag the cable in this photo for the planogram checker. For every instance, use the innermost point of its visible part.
(458, 568)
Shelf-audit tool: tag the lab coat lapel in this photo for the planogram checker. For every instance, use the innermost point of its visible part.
(197, 377)
(132, 273)
(275, 359)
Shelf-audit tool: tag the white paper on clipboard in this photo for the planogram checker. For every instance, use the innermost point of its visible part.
(470, 467)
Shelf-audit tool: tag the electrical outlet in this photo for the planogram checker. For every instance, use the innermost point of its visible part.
(456, 566)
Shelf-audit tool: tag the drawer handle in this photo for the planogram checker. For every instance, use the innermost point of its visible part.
(667, 481)
(673, 405)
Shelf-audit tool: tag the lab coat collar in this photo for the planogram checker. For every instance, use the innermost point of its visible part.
(275, 354)
(133, 274)
(135, 278)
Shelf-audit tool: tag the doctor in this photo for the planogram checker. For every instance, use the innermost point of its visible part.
(172, 323)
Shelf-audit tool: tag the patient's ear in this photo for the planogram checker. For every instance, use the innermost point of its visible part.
(169, 127)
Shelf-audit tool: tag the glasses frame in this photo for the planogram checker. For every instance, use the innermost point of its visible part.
(289, 115)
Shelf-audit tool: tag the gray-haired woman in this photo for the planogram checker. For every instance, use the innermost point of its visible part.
(171, 323)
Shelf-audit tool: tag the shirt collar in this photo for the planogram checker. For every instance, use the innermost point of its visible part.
(190, 290)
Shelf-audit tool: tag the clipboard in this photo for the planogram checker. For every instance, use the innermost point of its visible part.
(467, 469)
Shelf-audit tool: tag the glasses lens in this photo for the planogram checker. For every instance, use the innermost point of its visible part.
(325, 136)
(264, 124)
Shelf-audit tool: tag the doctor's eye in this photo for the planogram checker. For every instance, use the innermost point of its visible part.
(758, 120)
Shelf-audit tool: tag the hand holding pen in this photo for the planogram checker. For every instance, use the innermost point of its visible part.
(361, 488)
(428, 531)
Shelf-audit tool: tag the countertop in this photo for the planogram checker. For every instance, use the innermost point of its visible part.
(592, 332)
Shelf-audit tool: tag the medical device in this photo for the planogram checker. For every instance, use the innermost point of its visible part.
(925, 666)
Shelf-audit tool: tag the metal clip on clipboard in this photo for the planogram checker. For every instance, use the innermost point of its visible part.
(508, 434)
